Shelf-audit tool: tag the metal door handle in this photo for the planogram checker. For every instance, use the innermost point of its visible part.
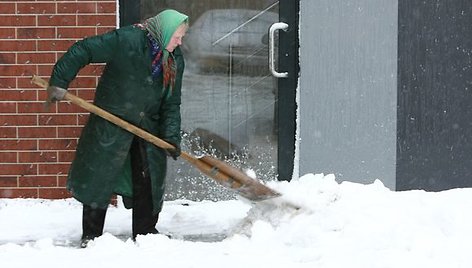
(274, 27)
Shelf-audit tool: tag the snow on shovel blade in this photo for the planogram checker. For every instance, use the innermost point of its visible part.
(244, 185)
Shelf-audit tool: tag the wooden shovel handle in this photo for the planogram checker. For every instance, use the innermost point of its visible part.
(213, 168)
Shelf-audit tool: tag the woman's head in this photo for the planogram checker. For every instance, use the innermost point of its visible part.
(168, 27)
(176, 38)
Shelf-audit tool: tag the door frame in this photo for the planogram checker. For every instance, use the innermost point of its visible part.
(286, 104)
(287, 89)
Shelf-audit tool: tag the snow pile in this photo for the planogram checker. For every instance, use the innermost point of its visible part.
(317, 223)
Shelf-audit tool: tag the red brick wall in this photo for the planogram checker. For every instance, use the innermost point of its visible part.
(37, 146)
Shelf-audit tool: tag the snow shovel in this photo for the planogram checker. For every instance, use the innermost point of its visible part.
(218, 170)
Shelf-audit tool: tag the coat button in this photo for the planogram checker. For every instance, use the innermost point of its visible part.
(141, 114)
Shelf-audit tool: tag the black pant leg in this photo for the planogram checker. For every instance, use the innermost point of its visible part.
(93, 220)
(144, 221)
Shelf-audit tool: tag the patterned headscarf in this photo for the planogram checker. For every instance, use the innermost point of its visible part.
(162, 27)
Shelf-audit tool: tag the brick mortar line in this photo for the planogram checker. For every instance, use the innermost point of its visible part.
(55, 2)
(31, 51)
(55, 14)
(42, 101)
(47, 39)
(55, 26)
(37, 151)
(44, 114)
(26, 163)
(78, 76)
(32, 187)
(71, 89)
(40, 126)
(28, 63)
(52, 1)
(38, 139)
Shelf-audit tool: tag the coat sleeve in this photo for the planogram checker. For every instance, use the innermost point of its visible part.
(96, 49)
(170, 119)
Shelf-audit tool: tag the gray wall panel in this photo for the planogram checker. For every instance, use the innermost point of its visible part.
(435, 103)
(348, 85)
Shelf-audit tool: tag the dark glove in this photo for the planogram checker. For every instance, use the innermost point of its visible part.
(55, 94)
(173, 152)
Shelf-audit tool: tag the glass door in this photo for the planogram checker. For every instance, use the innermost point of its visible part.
(228, 95)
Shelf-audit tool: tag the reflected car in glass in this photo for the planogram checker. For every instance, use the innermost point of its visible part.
(229, 40)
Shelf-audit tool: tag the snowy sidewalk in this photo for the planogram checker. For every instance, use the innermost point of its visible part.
(340, 225)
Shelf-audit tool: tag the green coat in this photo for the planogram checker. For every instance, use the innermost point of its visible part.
(126, 89)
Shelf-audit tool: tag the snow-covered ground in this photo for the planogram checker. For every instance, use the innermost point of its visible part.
(338, 225)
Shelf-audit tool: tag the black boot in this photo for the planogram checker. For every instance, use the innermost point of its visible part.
(93, 220)
(144, 225)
